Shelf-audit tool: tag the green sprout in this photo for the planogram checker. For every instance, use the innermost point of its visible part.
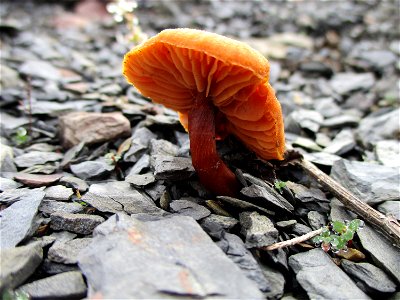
(279, 185)
(112, 158)
(337, 234)
(21, 136)
(15, 295)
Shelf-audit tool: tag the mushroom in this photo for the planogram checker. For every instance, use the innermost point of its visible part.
(219, 86)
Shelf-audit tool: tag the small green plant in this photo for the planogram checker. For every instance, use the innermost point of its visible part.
(15, 295)
(21, 136)
(279, 185)
(112, 158)
(337, 234)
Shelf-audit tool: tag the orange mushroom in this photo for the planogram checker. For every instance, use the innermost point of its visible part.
(219, 86)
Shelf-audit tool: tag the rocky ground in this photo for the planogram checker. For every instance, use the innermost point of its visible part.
(98, 195)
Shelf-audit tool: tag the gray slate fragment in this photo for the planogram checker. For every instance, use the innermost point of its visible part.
(58, 193)
(78, 223)
(8, 184)
(36, 158)
(316, 219)
(49, 206)
(373, 277)
(17, 264)
(140, 142)
(68, 285)
(258, 230)
(321, 278)
(384, 254)
(40, 69)
(388, 152)
(382, 125)
(174, 254)
(341, 121)
(215, 225)
(345, 83)
(235, 249)
(140, 180)
(142, 164)
(390, 208)
(190, 209)
(67, 252)
(18, 221)
(91, 169)
(173, 168)
(163, 148)
(244, 205)
(75, 182)
(322, 158)
(342, 143)
(52, 268)
(372, 183)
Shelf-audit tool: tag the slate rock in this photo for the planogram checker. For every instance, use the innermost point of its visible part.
(300, 229)
(377, 59)
(372, 183)
(276, 282)
(48, 207)
(258, 230)
(342, 143)
(52, 268)
(120, 196)
(286, 224)
(244, 205)
(382, 125)
(163, 148)
(322, 158)
(91, 169)
(215, 225)
(78, 223)
(140, 141)
(173, 168)
(68, 285)
(383, 253)
(140, 180)
(388, 152)
(373, 277)
(17, 264)
(305, 194)
(8, 184)
(390, 208)
(142, 164)
(58, 193)
(75, 182)
(307, 119)
(37, 180)
(345, 83)
(321, 278)
(183, 261)
(190, 209)
(6, 158)
(343, 120)
(92, 127)
(36, 158)
(40, 69)
(19, 221)
(316, 219)
(14, 195)
(236, 250)
(66, 252)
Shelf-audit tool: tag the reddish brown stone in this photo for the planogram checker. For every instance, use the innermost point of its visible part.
(37, 180)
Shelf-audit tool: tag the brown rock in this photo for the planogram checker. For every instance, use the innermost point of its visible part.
(92, 127)
(37, 180)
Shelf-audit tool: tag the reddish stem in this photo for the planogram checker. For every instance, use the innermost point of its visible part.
(212, 171)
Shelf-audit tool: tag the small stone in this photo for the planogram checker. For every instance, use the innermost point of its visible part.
(286, 224)
(92, 127)
(36, 158)
(215, 225)
(74, 182)
(173, 168)
(322, 158)
(67, 285)
(388, 152)
(351, 254)
(91, 169)
(306, 144)
(342, 143)
(306, 265)
(343, 120)
(373, 277)
(51, 268)
(8, 184)
(300, 229)
(258, 230)
(316, 219)
(377, 59)
(308, 119)
(67, 252)
(19, 221)
(345, 83)
(244, 205)
(17, 264)
(190, 209)
(139, 143)
(163, 148)
(6, 158)
(304, 194)
(40, 69)
(140, 180)
(161, 120)
(142, 164)
(37, 180)
(78, 223)
(49, 206)
(58, 193)
(390, 208)
(76, 87)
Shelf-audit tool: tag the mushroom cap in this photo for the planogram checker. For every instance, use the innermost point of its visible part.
(173, 67)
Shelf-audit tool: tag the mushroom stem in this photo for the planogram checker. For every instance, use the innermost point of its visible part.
(212, 171)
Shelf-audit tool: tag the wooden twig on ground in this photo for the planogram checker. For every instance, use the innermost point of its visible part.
(294, 241)
(385, 224)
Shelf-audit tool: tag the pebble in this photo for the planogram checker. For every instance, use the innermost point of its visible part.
(7, 160)
(388, 153)
(342, 143)
(58, 193)
(163, 148)
(19, 220)
(174, 242)
(40, 69)
(8, 184)
(343, 120)
(17, 264)
(215, 224)
(307, 119)
(74, 182)
(345, 83)
(48, 207)
(173, 168)
(92, 169)
(37, 180)
(340, 286)
(373, 277)
(140, 180)
(189, 208)
(316, 219)
(66, 252)
(390, 208)
(141, 165)
(78, 223)
(259, 231)
(68, 285)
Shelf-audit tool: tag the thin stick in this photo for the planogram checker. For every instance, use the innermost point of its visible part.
(385, 224)
(294, 241)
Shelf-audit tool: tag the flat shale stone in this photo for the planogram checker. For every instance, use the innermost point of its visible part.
(36, 158)
(8, 184)
(388, 152)
(174, 254)
(17, 264)
(66, 252)
(40, 69)
(37, 180)
(140, 180)
(258, 230)
(68, 285)
(91, 169)
(321, 278)
(214, 224)
(345, 83)
(189, 208)
(19, 220)
(92, 127)
(373, 277)
(390, 208)
(372, 183)
(78, 223)
(49, 206)
(58, 193)
(173, 168)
